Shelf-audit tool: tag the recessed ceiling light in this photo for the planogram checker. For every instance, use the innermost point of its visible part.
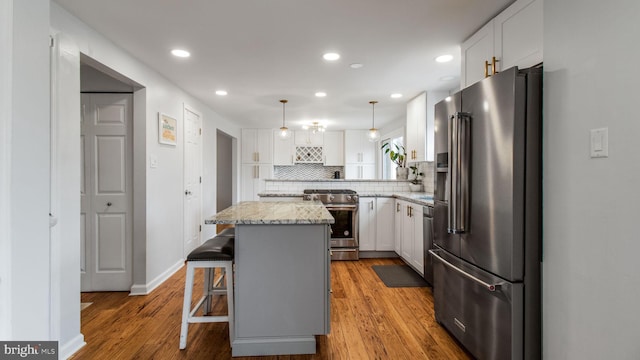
(444, 58)
(180, 53)
(321, 94)
(396, 96)
(447, 78)
(221, 92)
(356, 66)
(331, 56)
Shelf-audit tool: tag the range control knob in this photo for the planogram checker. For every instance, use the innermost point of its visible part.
(348, 197)
(331, 197)
(355, 198)
(307, 197)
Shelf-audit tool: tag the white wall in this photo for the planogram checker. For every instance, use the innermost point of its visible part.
(164, 184)
(591, 285)
(29, 172)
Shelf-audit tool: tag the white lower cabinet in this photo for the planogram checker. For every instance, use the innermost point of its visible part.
(367, 220)
(412, 243)
(384, 224)
(376, 220)
(397, 229)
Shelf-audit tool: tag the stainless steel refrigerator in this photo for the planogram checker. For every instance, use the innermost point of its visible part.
(487, 215)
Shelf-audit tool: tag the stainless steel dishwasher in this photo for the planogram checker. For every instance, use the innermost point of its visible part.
(427, 235)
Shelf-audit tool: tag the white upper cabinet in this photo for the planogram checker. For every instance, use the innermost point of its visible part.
(308, 138)
(513, 38)
(333, 148)
(475, 51)
(284, 151)
(358, 149)
(417, 128)
(518, 35)
(257, 146)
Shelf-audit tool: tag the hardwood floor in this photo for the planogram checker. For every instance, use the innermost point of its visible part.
(368, 321)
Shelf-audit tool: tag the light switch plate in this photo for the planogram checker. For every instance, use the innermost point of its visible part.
(153, 161)
(600, 143)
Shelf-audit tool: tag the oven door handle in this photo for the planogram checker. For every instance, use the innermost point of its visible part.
(342, 207)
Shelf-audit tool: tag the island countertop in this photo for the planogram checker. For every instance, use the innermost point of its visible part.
(285, 212)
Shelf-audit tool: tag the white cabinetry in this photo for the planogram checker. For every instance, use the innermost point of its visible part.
(253, 176)
(308, 138)
(333, 148)
(417, 128)
(257, 146)
(412, 251)
(385, 224)
(399, 217)
(376, 224)
(257, 162)
(360, 155)
(514, 38)
(367, 222)
(284, 150)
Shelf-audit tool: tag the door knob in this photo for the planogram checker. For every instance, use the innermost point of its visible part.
(187, 192)
(109, 203)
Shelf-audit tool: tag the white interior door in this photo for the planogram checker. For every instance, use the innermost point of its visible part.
(192, 179)
(106, 192)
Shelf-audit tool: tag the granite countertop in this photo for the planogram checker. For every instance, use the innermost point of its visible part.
(420, 198)
(285, 212)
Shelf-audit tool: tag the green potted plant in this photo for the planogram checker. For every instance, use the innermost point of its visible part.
(416, 182)
(399, 157)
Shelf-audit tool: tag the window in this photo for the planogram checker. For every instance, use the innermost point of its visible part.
(388, 166)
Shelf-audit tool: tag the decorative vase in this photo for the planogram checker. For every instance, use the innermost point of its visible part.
(402, 173)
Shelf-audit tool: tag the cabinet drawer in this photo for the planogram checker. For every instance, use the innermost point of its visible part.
(488, 323)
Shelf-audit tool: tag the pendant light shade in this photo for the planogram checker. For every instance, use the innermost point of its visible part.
(374, 134)
(285, 133)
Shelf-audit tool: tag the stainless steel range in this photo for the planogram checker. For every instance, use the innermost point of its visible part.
(343, 206)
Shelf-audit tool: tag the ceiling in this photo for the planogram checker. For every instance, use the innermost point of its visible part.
(262, 51)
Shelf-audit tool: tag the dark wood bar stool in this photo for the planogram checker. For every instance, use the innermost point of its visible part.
(215, 253)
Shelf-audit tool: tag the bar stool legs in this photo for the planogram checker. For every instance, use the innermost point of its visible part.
(211, 287)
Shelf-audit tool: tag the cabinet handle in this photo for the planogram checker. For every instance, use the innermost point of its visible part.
(371, 205)
(486, 68)
(493, 65)
(258, 156)
(258, 171)
(397, 207)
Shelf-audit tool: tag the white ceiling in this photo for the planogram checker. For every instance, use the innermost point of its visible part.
(262, 51)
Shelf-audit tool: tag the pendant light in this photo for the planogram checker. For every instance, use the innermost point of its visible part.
(284, 131)
(373, 135)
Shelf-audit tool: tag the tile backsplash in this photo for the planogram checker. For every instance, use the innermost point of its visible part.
(306, 172)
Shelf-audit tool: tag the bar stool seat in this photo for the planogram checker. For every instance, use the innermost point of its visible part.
(215, 253)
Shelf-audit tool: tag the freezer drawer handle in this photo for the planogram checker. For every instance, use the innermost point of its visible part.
(490, 287)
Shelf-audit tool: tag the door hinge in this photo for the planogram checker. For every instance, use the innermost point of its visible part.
(200, 228)
(51, 41)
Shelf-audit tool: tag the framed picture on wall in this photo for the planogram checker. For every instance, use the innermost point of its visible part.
(167, 129)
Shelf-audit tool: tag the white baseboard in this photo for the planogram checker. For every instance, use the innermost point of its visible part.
(71, 347)
(145, 289)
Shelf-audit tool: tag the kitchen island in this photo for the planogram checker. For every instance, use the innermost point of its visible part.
(282, 276)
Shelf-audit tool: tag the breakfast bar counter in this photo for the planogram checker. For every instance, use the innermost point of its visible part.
(282, 276)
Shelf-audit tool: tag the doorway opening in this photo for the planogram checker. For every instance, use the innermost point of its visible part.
(225, 171)
(109, 146)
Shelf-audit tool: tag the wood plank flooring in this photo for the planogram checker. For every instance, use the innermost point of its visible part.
(368, 321)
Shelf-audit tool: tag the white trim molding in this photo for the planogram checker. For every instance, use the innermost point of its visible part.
(146, 289)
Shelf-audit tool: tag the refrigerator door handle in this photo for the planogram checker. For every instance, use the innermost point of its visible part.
(486, 285)
(459, 175)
